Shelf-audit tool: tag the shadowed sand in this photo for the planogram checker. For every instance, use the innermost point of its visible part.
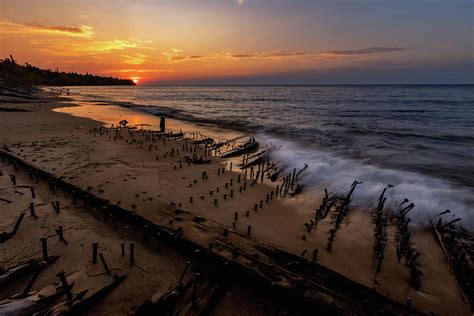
(145, 177)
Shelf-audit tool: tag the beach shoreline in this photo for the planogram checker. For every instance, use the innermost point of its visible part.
(141, 175)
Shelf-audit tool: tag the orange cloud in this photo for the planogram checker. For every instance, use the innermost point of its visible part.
(136, 59)
(115, 44)
(19, 28)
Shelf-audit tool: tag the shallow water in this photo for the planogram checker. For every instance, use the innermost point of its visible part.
(418, 138)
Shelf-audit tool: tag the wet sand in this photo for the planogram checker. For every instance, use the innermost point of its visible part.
(146, 178)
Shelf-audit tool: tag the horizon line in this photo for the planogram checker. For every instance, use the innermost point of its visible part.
(305, 85)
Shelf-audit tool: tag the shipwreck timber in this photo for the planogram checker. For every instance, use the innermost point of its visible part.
(308, 286)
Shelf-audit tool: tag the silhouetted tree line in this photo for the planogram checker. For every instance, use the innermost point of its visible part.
(14, 74)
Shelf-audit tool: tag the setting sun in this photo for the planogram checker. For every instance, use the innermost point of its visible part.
(135, 81)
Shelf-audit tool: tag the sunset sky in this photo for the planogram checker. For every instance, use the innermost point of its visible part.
(246, 41)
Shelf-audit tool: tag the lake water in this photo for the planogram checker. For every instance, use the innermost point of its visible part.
(418, 138)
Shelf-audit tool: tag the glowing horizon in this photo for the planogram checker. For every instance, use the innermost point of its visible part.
(187, 41)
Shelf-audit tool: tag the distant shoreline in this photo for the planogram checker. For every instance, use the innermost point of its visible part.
(307, 85)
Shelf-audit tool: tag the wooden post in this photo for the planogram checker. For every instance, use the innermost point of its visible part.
(32, 210)
(94, 252)
(66, 287)
(194, 291)
(162, 124)
(104, 263)
(315, 255)
(44, 245)
(180, 282)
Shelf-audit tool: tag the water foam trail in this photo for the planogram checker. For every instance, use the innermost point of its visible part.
(430, 195)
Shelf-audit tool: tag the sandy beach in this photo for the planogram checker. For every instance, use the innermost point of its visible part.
(213, 205)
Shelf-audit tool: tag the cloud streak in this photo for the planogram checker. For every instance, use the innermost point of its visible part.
(116, 44)
(366, 51)
(83, 30)
(176, 55)
(31, 28)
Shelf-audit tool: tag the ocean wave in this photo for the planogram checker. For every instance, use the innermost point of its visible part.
(325, 170)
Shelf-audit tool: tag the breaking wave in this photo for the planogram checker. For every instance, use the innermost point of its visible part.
(325, 170)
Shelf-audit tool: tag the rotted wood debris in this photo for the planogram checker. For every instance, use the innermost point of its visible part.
(196, 296)
(341, 207)
(24, 268)
(82, 300)
(248, 146)
(380, 232)
(21, 304)
(404, 246)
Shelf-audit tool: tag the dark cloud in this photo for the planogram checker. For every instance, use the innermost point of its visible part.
(366, 51)
(352, 52)
(244, 55)
(178, 57)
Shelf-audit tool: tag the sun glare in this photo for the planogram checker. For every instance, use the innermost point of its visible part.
(135, 81)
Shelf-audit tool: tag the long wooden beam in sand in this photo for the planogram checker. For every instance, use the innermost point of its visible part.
(464, 282)
(289, 278)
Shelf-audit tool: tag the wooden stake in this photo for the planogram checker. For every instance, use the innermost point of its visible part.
(44, 245)
(94, 252)
(104, 263)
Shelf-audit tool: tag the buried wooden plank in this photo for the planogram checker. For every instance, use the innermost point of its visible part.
(199, 299)
(81, 300)
(33, 302)
(4, 236)
(11, 273)
(457, 262)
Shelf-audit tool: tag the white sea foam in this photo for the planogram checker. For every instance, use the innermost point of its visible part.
(430, 195)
